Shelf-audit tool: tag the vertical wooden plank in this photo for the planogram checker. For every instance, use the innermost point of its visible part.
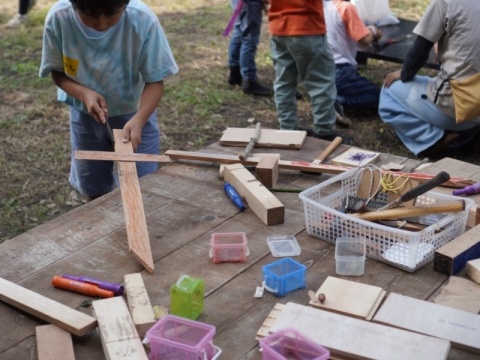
(54, 343)
(136, 224)
(139, 303)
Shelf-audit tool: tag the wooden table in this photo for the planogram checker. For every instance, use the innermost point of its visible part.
(395, 52)
(184, 204)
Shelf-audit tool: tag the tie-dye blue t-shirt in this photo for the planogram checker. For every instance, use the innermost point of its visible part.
(116, 63)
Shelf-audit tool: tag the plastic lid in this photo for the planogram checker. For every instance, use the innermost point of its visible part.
(283, 245)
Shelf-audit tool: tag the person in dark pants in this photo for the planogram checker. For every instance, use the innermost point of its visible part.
(24, 6)
(243, 48)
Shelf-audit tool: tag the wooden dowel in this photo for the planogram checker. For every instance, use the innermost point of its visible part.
(244, 154)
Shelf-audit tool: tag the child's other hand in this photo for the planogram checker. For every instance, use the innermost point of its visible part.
(132, 131)
(96, 106)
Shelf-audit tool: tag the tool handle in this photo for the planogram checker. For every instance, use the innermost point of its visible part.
(328, 150)
(410, 211)
(439, 179)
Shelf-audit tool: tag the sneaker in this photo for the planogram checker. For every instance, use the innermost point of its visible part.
(340, 117)
(17, 21)
(255, 88)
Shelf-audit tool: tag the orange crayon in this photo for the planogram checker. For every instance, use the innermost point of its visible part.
(80, 287)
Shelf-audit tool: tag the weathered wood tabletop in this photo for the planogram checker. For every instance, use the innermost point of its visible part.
(184, 204)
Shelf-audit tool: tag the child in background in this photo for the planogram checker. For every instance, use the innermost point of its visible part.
(299, 49)
(109, 59)
(24, 7)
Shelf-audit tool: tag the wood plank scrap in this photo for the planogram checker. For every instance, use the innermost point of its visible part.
(111, 156)
(452, 257)
(459, 293)
(54, 343)
(269, 138)
(139, 303)
(460, 327)
(46, 309)
(136, 224)
(355, 157)
(119, 337)
(267, 169)
(260, 200)
(349, 297)
(473, 270)
(351, 338)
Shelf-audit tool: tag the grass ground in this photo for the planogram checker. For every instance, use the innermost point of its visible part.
(198, 105)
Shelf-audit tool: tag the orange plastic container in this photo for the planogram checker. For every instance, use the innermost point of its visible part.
(229, 247)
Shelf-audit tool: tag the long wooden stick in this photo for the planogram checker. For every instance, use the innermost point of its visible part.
(115, 156)
(410, 211)
(244, 154)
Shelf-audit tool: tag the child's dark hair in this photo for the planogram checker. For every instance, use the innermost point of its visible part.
(97, 8)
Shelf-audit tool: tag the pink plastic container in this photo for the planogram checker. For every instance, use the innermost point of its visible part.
(229, 247)
(288, 343)
(177, 338)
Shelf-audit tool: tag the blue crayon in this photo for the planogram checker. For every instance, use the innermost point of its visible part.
(234, 196)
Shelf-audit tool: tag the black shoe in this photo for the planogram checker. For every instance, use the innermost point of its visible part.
(340, 117)
(298, 96)
(235, 77)
(441, 147)
(255, 88)
(308, 130)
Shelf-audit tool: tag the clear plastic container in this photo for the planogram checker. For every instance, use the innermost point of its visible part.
(187, 297)
(175, 338)
(283, 245)
(284, 276)
(229, 247)
(350, 256)
(289, 343)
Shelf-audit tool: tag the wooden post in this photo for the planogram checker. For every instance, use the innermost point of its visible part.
(139, 303)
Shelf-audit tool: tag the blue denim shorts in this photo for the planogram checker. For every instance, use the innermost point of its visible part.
(92, 177)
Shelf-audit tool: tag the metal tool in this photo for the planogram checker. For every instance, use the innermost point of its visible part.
(110, 138)
(385, 43)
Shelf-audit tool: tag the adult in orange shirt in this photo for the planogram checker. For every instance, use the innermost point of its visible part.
(299, 50)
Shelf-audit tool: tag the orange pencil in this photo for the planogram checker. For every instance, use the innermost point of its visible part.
(80, 287)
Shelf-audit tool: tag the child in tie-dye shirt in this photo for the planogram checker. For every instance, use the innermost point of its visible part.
(109, 59)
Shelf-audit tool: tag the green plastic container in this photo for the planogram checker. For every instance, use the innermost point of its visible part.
(186, 297)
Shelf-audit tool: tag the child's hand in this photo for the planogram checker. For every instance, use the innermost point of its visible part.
(96, 106)
(132, 131)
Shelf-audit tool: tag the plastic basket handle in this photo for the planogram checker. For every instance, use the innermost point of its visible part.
(217, 353)
(268, 288)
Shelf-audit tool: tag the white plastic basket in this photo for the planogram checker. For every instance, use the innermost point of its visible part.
(401, 248)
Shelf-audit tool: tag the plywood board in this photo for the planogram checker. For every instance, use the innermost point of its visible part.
(119, 337)
(460, 327)
(349, 297)
(46, 309)
(355, 157)
(459, 293)
(54, 343)
(136, 224)
(350, 338)
(269, 138)
(139, 303)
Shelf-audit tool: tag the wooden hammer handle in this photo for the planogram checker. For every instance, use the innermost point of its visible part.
(328, 150)
(410, 211)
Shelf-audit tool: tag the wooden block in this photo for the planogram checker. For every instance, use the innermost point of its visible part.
(259, 199)
(119, 337)
(473, 270)
(459, 293)
(267, 169)
(54, 343)
(269, 138)
(349, 298)
(355, 157)
(350, 338)
(139, 303)
(453, 256)
(136, 224)
(473, 216)
(46, 309)
(460, 327)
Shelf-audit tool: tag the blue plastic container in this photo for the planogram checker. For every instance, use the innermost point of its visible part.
(284, 276)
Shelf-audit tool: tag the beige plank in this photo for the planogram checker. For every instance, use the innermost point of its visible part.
(459, 293)
(46, 309)
(352, 338)
(119, 337)
(473, 270)
(260, 200)
(54, 343)
(111, 156)
(349, 297)
(270, 138)
(136, 224)
(139, 303)
(460, 327)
